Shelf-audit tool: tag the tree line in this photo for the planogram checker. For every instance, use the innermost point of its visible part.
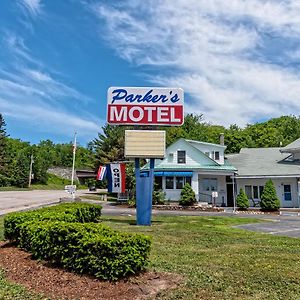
(15, 157)
(276, 132)
(108, 146)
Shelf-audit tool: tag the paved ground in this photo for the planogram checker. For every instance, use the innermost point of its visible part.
(281, 226)
(22, 200)
(287, 225)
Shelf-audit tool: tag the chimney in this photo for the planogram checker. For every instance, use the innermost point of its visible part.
(222, 139)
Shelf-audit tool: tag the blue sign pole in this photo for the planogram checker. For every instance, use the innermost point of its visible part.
(144, 191)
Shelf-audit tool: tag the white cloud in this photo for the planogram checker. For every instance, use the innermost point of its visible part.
(49, 119)
(216, 50)
(33, 7)
(40, 98)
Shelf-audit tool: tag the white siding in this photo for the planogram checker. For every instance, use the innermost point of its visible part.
(279, 185)
(211, 149)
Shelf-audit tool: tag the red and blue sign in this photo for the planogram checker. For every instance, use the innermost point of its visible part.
(145, 106)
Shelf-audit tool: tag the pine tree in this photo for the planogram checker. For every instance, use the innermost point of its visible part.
(269, 198)
(187, 196)
(242, 200)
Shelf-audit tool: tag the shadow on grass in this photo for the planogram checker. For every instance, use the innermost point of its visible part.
(127, 221)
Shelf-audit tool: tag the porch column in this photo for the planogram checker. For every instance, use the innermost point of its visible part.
(195, 185)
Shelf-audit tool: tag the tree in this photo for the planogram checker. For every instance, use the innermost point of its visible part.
(109, 146)
(242, 200)
(269, 198)
(187, 196)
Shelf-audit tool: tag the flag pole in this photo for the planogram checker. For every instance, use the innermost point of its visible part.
(73, 166)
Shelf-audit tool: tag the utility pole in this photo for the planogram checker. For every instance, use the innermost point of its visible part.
(73, 166)
(30, 170)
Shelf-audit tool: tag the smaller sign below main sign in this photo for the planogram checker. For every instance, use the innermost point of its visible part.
(145, 106)
(145, 143)
(71, 189)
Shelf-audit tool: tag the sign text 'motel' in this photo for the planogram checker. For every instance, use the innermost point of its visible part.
(145, 106)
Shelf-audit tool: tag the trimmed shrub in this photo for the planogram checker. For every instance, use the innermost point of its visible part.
(59, 235)
(242, 200)
(69, 212)
(187, 196)
(89, 248)
(269, 198)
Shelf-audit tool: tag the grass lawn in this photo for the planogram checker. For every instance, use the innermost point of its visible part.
(216, 261)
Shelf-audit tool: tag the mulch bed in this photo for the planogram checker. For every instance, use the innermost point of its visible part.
(57, 283)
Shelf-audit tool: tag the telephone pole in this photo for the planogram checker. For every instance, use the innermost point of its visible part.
(30, 170)
(73, 166)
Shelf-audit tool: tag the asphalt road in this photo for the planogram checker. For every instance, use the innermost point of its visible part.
(285, 225)
(22, 200)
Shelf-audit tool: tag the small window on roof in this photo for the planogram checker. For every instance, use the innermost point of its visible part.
(181, 157)
(217, 155)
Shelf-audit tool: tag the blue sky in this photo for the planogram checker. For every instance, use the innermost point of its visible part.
(238, 60)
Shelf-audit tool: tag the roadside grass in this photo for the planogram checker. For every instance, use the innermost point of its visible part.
(216, 260)
(99, 196)
(53, 183)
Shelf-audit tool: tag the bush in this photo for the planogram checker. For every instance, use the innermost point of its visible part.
(51, 234)
(70, 212)
(88, 248)
(158, 196)
(242, 200)
(187, 196)
(269, 198)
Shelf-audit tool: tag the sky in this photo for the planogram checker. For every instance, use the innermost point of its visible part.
(237, 61)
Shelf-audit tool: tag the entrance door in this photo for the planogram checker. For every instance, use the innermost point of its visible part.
(229, 188)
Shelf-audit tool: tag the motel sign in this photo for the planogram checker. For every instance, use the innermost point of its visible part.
(145, 106)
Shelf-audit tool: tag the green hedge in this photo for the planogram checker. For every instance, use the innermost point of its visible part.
(59, 235)
(86, 248)
(69, 212)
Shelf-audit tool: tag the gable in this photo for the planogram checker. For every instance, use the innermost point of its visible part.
(194, 157)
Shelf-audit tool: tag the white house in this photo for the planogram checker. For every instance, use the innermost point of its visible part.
(256, 165)
(200, 164)
(205, 167)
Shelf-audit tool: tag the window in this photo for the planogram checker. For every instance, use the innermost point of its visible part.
(158, 182)
(261, 189)
(248, 191)
(217, 155)
(209, 184)
(169, 183)
(179, 183)
(182, 181)
(181, 157)
(287, 192)
(188, 180)
(255, 192)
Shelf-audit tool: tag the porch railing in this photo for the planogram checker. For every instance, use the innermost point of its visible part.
(203, 197)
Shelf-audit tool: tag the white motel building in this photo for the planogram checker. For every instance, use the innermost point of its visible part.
(208, 170)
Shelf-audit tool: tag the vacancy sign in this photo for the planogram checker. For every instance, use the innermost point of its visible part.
(145, 106)
(145, 143)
